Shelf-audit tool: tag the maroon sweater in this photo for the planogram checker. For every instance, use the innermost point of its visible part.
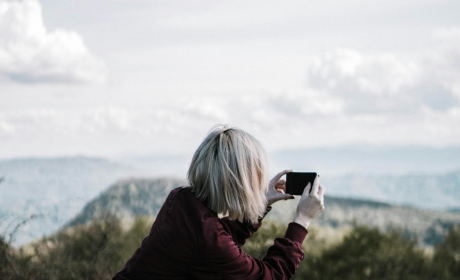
(189, 241)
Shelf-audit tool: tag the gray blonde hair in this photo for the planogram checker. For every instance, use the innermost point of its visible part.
(230, 170)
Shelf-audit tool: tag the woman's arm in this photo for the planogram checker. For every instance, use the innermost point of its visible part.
(282, 260)
(242, 231)
(276, 192)
(230, 262)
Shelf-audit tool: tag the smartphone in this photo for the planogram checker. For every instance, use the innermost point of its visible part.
(297, 181)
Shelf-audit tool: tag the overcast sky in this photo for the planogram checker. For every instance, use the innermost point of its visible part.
(124, 77)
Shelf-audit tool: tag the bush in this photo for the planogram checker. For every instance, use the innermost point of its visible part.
(367, 253)
(100, 249)
(95, 251)
(446, 260)
(364, 253)
(258, 244)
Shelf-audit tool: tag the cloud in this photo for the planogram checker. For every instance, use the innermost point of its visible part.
(443, 63)
(31, 54)
(350, 97)
(179, 128)
(385, 83)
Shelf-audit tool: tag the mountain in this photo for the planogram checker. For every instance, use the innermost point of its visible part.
(441, 192)
(128, 198)
(46, 193)
(131, 197)
(369, 160)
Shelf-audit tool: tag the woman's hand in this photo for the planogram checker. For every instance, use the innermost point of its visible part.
(277, 189)
(310, 204)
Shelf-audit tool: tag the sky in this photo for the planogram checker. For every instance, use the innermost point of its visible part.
(119, 77)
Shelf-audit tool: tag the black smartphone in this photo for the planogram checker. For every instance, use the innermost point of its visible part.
(297, 181)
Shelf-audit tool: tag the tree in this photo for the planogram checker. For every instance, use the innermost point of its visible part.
(446, 260)
(367, 253)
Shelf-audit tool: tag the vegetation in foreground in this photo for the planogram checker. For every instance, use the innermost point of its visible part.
(100, 249)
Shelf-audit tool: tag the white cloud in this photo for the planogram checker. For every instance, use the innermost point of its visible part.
(351, 97)
(349, 70)
(443, 62)
(385, 83)
(448, 35)
(31, 54)
(179, 128)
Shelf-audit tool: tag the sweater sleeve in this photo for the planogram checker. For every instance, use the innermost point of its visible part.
(230, 262)
(242, 231)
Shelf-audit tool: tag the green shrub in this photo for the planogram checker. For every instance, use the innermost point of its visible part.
(95, 251)
(258, 244)
(446, 260)
(101, 248)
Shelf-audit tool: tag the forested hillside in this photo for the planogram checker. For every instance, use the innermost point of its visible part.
(48, 192)
(352, 239)
(131, 197)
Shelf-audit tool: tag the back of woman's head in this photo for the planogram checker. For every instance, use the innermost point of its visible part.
(230, 170)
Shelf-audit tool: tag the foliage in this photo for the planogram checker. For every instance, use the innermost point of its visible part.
(101, 248)
(258, 244)
(367, 253)
(95, 251)
(446, 260)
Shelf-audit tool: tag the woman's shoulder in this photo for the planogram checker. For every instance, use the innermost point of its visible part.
(184, 198)
(175, 191)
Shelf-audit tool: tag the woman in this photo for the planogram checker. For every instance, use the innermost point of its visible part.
(227, 175)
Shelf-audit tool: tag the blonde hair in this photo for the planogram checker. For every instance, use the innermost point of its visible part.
(230, 170)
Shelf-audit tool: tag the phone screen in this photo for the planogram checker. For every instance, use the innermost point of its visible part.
(297, 181)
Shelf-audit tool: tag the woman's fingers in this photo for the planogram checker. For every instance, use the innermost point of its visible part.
(314, 191)
(306, 191)
(277, 188)
(281, 185)
(287, 196)
(281, 174)
(310, 205)
(282, 195)
(321, 192)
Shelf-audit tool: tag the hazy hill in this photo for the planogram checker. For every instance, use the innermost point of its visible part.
(369, 160)
(53, 190)
(128, 198)
(330, 161)
(432, 191)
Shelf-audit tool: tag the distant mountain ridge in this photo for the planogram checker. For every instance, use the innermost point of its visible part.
(439, 191)
(54, 190)
(131, 197)
(127, 198)
(369, 160)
